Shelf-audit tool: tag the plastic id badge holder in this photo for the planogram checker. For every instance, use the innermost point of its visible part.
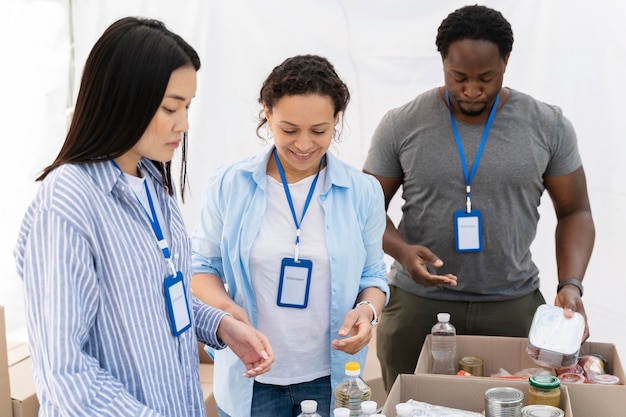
(295, 280)
(468, 231)
(177, 305)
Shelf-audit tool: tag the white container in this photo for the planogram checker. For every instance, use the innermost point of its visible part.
(554, 340)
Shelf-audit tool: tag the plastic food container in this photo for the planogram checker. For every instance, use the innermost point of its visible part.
(572, 378)
(554, 340)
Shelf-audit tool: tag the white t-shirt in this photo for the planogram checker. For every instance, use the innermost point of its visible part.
(300, 337)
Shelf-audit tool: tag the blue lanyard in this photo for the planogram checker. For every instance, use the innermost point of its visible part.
(470, 176)
(156, 227)
(290, 201)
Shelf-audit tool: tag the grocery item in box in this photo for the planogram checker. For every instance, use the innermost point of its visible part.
(554, 340)
(426, 409)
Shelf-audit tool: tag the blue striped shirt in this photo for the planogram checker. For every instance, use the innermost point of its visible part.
(99, 332)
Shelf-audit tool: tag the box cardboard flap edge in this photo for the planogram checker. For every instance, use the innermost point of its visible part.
(5, 387)
(587, 400)
(463, 393)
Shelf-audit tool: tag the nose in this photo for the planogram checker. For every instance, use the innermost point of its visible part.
(182, 123)
(303, 141)
(472, 90)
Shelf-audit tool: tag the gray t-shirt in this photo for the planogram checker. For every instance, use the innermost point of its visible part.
(528, 141)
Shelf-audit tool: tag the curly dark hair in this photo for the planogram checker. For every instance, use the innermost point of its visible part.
(300, 75)
(478, 23)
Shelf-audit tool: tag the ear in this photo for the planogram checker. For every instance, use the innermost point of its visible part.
(506, 60)
(268, 115)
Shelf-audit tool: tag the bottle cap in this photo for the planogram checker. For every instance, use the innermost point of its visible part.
(443, 317)
(369, 407)
(353, 368)
(404, 409)
(341, 412)
(544, 381)
(308, 406)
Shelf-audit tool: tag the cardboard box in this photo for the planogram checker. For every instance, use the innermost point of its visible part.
(5, 389)
(23, 396)
(587, 400)
(460, 392)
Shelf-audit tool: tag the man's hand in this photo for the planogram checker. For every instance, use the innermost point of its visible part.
(415, 259)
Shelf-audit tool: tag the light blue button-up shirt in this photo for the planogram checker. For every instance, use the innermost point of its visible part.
(232, 212)
(98, 327)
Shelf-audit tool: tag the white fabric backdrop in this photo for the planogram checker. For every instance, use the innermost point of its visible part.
(566, 52)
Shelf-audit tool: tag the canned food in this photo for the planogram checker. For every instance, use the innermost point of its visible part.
(471, 364)
(539, 410)
(503, 402)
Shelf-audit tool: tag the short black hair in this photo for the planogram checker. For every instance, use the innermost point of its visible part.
(477, 23)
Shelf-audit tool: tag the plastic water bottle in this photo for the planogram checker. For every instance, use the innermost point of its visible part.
(309, 409)
(341, 412)
(352, 390)
(443, 346)
(368, 408)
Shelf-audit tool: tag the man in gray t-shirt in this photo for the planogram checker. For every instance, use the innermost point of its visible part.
(473, 159)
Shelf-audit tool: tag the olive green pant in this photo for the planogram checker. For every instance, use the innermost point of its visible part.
(408, 318)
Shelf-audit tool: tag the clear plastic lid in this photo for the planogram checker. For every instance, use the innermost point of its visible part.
(554, 340)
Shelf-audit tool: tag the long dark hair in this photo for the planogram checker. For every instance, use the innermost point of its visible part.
(123, 84)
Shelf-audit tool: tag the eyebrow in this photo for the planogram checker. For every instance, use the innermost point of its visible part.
(175, 97)
(295, 125)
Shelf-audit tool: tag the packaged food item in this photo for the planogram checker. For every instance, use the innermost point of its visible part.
(592, 365)
(352, 390)
(544, 389)
(422, 409)
(605, 379)
(503, 401)
(571, 378)
(539, 410)
(554, 340)
(471, 364)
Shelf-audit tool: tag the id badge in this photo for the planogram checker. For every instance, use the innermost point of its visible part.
(294, 283)
(468, 231)
(177, 305)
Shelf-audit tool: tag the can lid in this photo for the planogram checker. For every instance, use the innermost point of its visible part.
(504, 395)
(544, 381)
(470, 361)
(540, 410)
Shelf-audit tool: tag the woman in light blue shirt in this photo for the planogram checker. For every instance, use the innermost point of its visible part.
(296, 236)
(103, 251)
